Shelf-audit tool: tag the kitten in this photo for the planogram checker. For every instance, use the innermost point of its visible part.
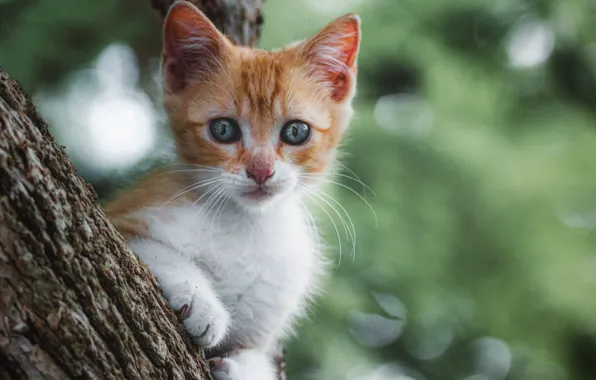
(226, 234)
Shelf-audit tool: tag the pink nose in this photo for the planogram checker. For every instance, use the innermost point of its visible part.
(260, 174)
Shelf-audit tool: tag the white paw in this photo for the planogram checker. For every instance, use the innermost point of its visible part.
(204, 316)
(224, 369)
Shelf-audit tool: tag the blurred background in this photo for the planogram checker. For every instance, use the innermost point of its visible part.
(476, 129)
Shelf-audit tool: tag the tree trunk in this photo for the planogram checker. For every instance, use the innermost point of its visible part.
(74, 300)
(240, 20)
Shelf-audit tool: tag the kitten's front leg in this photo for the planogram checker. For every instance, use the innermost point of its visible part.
(187, 290)
(244, 365)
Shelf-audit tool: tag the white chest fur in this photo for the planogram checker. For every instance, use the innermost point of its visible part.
(263, 266)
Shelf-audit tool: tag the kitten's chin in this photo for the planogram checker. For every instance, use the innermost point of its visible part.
(258, 200)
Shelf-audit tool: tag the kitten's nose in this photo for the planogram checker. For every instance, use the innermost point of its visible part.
(260, 174)
(260, 165)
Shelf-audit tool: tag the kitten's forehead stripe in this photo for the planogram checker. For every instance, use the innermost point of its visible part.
(262, 84)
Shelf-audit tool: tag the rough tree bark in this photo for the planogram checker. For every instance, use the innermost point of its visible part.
(74, 301)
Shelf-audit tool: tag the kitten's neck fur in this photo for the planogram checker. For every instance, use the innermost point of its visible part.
(262, 265)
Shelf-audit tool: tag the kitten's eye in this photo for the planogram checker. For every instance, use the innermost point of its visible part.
(295, 132)
(225, 130)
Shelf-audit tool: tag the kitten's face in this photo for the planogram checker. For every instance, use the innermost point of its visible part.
(268, 123)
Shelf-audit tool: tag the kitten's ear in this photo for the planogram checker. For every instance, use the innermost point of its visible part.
(332, 54)
(192, 46)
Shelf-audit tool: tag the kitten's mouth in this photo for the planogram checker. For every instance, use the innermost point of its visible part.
(258, 194)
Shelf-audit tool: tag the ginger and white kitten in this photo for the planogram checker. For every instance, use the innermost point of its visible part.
(226, 233)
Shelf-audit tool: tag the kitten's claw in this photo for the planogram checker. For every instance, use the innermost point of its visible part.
(184, 313)
(215, 364)
(203, 315)
(224, 369)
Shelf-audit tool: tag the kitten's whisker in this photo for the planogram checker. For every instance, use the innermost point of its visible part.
(332, 222)
(217, 197)
(190, 188)
(357, 180)
(213, 193)
(190, 165)
(308, 219)
(185, 170)
(314, 230)
(353, 191)
(228, 196)
(209, 191)
(350, 231)
(211, 201)
(224, 203)
(205, 167)
(353, 228)
(187, 165)
(343, 222)
(219, 203)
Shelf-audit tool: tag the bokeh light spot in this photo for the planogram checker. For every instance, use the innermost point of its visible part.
(373, 330)
(531, 42)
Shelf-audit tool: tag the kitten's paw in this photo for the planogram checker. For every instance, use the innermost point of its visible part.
(224, 369)
(204, 316)
(207, 323)
(243, 365)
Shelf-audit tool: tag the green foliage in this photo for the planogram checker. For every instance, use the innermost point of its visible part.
(482, 168)
(486, 221)
(42, 40)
